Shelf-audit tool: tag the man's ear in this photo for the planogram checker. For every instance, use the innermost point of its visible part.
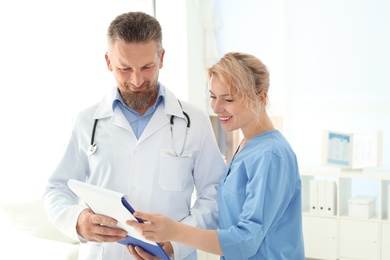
(108, 61)
(162, 58)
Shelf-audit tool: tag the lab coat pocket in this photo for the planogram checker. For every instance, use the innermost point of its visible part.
(175, 171)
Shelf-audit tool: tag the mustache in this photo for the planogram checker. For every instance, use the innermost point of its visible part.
(128, 84)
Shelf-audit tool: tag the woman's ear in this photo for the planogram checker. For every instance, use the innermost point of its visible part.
(262, 96)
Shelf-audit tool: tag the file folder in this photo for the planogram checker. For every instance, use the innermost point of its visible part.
(116, 205)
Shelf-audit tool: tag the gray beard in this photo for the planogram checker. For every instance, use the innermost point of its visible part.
(139, 100)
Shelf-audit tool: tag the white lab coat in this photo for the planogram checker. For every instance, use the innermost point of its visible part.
(144, 169)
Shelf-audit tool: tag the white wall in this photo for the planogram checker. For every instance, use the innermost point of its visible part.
(172, 17)
(329, 63)
(184, 68)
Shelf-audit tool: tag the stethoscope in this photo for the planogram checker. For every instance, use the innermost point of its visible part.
(93, 146)
(185, 136)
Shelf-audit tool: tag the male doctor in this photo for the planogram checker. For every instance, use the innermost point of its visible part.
(134, 150)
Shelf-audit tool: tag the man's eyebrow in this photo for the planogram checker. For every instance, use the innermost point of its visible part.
(149, 64)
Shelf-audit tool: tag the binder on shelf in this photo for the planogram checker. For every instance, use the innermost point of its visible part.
(321, 197)
(116, 205)
(330, 198)
(313, 196)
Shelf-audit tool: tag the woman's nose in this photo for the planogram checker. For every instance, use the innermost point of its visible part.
(216, 106)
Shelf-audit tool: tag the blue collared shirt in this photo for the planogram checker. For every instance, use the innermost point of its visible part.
(137, 121)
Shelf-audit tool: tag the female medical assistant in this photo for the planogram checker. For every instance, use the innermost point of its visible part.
(146, 169)
(258, 198)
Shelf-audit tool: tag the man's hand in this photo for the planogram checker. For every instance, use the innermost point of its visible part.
(98, 228)
(140, 254)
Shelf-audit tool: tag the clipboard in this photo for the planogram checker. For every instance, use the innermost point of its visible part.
(116, 205)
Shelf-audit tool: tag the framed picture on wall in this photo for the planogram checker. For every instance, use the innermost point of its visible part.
(352, 150)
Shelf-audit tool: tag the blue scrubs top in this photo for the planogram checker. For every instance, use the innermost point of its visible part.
(260, 208)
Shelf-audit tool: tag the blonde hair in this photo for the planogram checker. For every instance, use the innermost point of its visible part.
(244, 75)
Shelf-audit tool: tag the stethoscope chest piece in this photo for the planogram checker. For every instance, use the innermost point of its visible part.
(91, 149)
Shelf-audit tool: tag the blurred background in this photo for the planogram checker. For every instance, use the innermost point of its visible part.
(329, 63)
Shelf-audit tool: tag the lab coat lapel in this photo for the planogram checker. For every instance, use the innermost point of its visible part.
(104, 110)
(158, 121)
(119, 119)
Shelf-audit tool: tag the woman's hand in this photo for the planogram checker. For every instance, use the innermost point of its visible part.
(160, 229)
(156, 227)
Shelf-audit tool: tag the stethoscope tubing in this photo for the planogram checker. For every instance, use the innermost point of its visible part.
(93, 146)
(185, 136)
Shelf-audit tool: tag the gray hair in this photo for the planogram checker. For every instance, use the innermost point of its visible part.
(135, 27)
